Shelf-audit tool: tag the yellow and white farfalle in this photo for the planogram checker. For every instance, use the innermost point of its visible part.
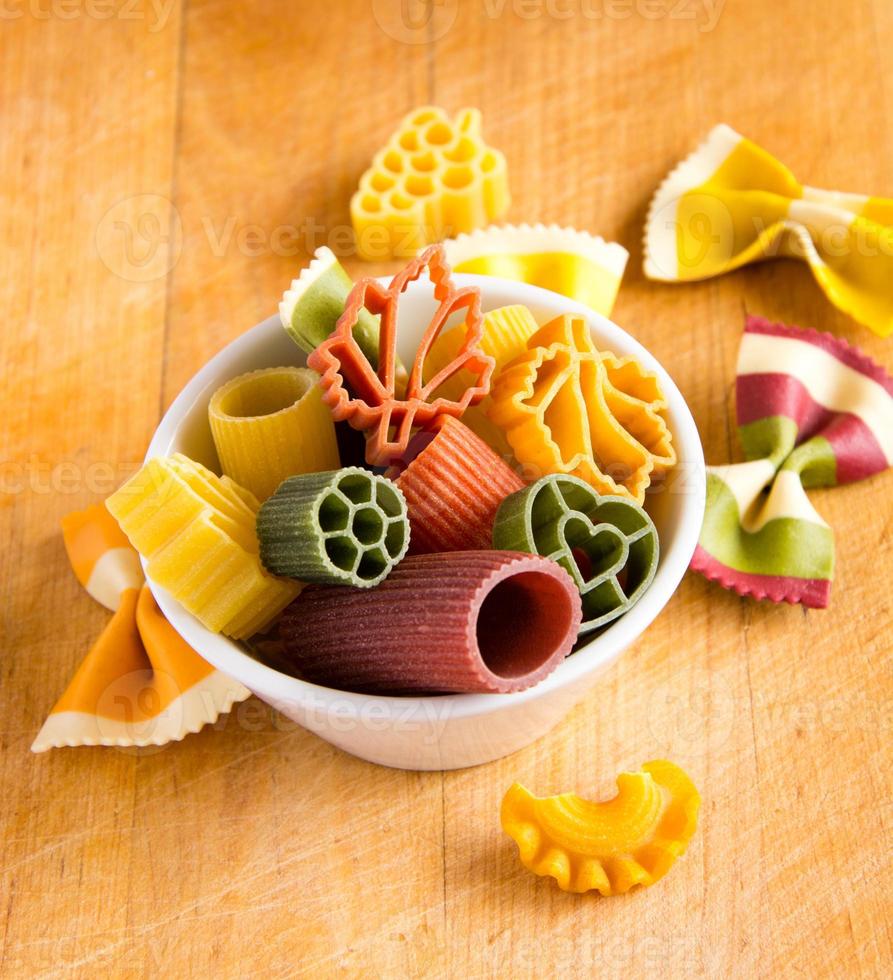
(731, 203)
(567, 261)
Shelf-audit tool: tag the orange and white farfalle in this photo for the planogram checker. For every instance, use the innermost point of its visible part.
(610, 846)
(141, 683)
(731, 203)
(566, 407)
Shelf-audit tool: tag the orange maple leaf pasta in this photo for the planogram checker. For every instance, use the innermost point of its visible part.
(367, 398)
(609, 846)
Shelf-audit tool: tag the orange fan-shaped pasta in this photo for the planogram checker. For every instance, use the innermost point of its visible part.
(566, 407)
(609, 846)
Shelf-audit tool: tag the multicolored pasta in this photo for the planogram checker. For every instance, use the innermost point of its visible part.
(140, 683)
(608, 545)
(812, 412)
(344, 527)
(611, 846)
(453, 486)
(731, 203)
(271, 424)
(310, 308)
(472, 621)
(369, 399)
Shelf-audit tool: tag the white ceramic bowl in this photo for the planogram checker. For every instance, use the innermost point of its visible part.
(450, 731)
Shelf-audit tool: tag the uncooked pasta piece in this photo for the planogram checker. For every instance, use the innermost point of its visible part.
(467, 621)
(368, 399)
(345, 527)
(140, 683)
(220, 583)
(578, 265)
(161, 498)
(271, 424)
(565, 407)
(435, 177)
(812, 412)
(731, 203)
(453, 487)
(197, 533)
(610, 846)
(608, 545)
(310, 308)
(505, 334)
(221, 492)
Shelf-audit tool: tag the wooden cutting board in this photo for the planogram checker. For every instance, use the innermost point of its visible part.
(166, 170)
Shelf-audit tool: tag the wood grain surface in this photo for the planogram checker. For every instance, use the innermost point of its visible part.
(167, 168)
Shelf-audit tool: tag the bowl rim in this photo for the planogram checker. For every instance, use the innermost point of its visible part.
(226, 656)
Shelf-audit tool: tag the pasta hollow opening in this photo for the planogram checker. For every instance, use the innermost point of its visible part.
(255, 397)
(521, 622)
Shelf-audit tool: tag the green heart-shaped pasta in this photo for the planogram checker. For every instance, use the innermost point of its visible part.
(608, 545)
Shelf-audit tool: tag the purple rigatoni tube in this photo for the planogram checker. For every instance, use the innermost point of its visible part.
(455, 622)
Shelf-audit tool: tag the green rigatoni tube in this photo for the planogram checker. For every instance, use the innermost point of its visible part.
(341, 527)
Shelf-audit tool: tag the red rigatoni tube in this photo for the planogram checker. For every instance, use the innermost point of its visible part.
(457, 622)
(453, 488)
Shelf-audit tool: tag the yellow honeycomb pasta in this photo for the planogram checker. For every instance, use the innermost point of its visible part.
(271, 424)
(435, 178)
(505, 334)
(610, 846)
(196, 531)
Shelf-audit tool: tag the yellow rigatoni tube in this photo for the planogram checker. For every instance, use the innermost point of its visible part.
(271, 424)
